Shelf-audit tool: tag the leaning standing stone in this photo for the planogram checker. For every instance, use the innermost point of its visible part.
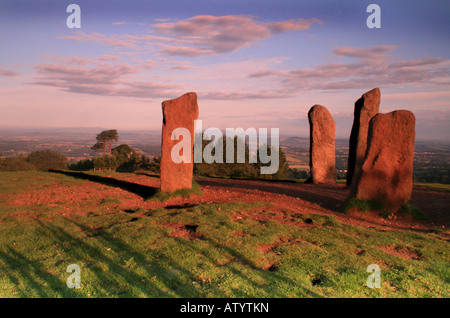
(322, 160)
(177, 113)
(387, 173)
(365, 108)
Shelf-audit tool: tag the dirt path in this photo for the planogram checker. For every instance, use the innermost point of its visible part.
(328, 199)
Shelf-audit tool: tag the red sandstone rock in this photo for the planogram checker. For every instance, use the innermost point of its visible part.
(365, 108)
(387, 172)
(177, 113)
(322, 145)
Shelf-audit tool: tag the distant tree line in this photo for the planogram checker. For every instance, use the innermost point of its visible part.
(123, 158)
(247, 169)
(432, 175)
(37, 160)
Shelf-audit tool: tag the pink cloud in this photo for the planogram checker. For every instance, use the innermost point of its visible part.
(198, 36)
(211, 35)
(99, 78)
(292, 25)
(243, 94)
(176, 65)
(372, 67)
(8, 73)
(370, 52)
(184, 51)
(98, 38)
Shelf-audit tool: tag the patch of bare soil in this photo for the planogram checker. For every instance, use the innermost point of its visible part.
(291, 198)
(401, 252)
(288, 200)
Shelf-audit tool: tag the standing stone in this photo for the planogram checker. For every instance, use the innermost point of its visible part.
(177, 113)
(387, 173)
(322, 160)
(365, 108)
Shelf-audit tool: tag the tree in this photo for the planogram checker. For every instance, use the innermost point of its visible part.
(105, 162)
(82, 165)
(283, 172)
(128, 159)
(105, 139)
(123, 151)
(15, 164)
(234, 169)
(47, 159)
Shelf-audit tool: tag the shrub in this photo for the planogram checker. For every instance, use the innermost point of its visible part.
(82, 165)
(16, 164)
(363, 205)
(414, 211)
(47, 159)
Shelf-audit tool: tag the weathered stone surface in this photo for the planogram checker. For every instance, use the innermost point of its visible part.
(365, 108)
(322, 160)
(386, 174)
(177, 113)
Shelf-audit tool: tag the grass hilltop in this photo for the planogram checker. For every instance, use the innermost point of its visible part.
(239, 238)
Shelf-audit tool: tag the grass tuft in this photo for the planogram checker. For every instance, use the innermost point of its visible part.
(364, 205)
(184, 193)
(414, 211)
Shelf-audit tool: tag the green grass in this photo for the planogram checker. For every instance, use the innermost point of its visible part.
(184, 193)
(414, 211)
(364, 205)
(208, 250)
(374, 205)
(434, 186)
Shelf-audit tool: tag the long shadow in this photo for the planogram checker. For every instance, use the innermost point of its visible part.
(238, 256)
(143, 191)
(95, 251)
(29, 276)
(98, 258)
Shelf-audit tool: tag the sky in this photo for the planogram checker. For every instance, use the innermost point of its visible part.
(252, 63)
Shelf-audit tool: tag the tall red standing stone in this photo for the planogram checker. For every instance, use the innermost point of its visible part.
(177, 113)
(387, 172)
(365, 108)
(322, 159)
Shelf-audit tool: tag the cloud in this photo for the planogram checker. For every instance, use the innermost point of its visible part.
(87, 74)
(241, 95)
(213, 35)
(184, 51)
(367, 67)
(98, 38)
(365, 53)
(292, 25)
(81, 75)
(8, 73)
(177, 65)
(198, 36)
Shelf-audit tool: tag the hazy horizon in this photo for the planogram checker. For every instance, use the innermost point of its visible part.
(252, 63)
(96, 130)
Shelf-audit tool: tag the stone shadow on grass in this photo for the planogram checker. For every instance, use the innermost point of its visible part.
(143, 191)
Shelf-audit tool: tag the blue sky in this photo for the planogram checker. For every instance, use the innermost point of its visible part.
(257, 63)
